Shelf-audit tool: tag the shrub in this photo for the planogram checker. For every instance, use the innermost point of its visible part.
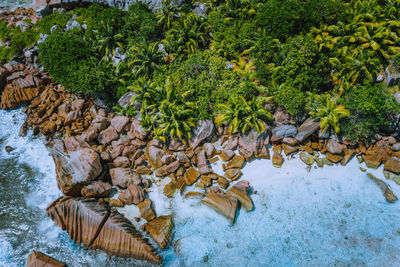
(291, 98)
(370, 106)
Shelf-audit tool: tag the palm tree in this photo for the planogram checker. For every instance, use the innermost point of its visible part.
(330, 115)
(244, 66)
(107, 40)
(173, 117)
(244, 115)
(145, 59)
(187, 35)
(166, 14)
(144, 90)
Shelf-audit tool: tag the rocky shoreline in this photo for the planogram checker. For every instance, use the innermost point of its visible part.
(96, 151)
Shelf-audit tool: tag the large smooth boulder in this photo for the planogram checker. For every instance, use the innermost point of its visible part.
(240, 191)
(93, 225)
(204, 130)
(222, 203)
(39, 259)
(74, 169)
(160, 230)
(306, 129)
(123, 177)
(191, 176)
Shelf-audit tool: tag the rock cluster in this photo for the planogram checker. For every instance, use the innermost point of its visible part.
(39, 259)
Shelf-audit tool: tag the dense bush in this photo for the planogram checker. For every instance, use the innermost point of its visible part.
(370, 106)
(283, 18)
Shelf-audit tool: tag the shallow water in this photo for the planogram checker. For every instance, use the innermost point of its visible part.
(333, 216)
(13, 4)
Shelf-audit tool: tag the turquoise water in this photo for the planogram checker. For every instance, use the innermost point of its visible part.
(12, 4)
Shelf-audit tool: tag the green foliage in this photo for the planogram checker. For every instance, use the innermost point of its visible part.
(108, 39)
(330, 113)
(302, 66)
(58, 19)
(69, 60)
(370, 107)
(291, 98)
(283, 18)
(16, 39)
(140, 25)
(243, 115)
(144, 59)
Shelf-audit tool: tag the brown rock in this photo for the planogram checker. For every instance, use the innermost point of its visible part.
(117, 151)
(108, 135)
(290, 141)
(194, 194)
(128, 151)
(277, 149)
(191, 176)
(203, 131)
(48, 127)
(143, 170)
(240, 191)
(172, 167)
(223, 182)
(119, 123)
(169, 189)
(392, 164)
(96, 189)
(236, 162)
(38, 259)
(306, 129)
(123, 177)
(388, 193)
(137, 130)
(333, 157)
(71, 117)
(115, 203)
(14, 96)
(78, 104)
(226, 154)
(222, 203)
(160, 230)
(372, 161)
(121, 162)
(209, 149)
(91, 224)
(251, 143)
(146, 211)
(233, 174)
(334, 147)
(289, 149)
(348, 155)
(75, 169)
(206, 180)
(133, 195)
(277, 160)
(154, 156)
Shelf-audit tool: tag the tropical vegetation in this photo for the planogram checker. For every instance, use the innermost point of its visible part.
(234, 61)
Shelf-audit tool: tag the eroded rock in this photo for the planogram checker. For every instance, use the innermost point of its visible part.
(160, 230)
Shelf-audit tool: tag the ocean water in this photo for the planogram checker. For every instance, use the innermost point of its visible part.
(334, 216)
(13, 4)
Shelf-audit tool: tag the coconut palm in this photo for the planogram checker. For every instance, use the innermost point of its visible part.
(144, 59)
(243, 115)
(166, 14)
(187, 35)
(144, 94)
(107, 40)
(174, 117)
(330, 115)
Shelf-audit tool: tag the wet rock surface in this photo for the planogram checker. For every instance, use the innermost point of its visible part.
(93, 225)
